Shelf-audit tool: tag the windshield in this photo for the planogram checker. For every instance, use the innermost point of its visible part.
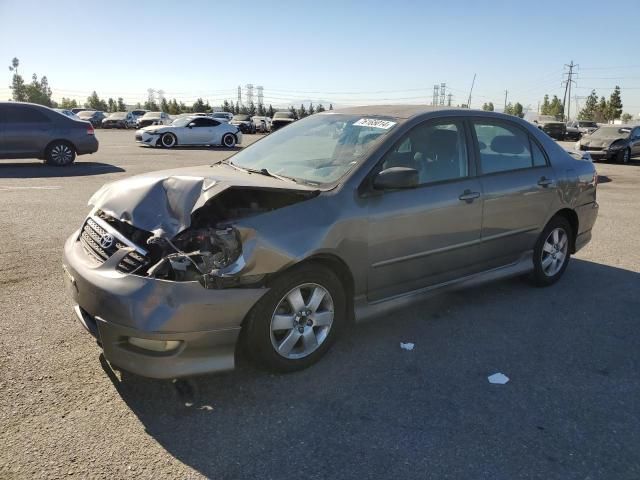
(241, 118)
(319, 149)
(86, 114)
(118, 115)
(181, 122)
(283, 115)
(608, 132)
(151, 115)
(588, 124)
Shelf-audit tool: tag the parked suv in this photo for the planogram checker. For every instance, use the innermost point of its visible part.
(33, 131)
(339, 216)
(282, 119)
(551, 126)
(578, 128)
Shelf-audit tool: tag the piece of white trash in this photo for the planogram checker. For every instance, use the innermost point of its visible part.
(206, 407)
(498, 378)
(407, 346)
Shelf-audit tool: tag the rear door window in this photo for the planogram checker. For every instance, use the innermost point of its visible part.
(22, 114)
(505, 147)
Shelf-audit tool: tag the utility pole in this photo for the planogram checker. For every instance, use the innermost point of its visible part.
(449, 99)
(506, 94)
(567, 88)
(471, 90)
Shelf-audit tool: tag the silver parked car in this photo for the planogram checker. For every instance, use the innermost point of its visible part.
(342, 215)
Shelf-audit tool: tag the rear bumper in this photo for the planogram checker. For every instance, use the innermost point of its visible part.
(587, 215)
(114, 306)
(87, 145)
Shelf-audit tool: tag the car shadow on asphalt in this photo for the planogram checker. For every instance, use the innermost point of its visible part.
(369, 404)
(39, 170)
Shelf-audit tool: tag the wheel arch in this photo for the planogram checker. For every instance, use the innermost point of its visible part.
(334, 263)
(572, 217)
(57, 140)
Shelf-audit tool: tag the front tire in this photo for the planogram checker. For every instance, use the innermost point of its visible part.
(229, 140)
(624, 156)
(60, 154)
(297, 321)
(168, 140)
(552, 252)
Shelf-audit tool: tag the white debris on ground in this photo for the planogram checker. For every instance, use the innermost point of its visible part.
(206, 407)
(407, 346)
(498, 378)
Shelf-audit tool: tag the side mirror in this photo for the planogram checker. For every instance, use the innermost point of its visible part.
(190, 125)
(395, 178)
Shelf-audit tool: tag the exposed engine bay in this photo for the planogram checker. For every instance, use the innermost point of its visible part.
(211, 245)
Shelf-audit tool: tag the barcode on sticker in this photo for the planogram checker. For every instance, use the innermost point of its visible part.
(375, 123)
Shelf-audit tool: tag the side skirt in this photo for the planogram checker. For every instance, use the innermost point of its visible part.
(365, 310)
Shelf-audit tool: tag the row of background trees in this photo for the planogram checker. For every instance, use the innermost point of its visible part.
(38, 91)
(515, 109)
(599, 110)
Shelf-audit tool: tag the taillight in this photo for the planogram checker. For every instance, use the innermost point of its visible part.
(90, 130)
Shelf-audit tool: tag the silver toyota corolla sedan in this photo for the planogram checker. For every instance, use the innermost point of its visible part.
(340, 216)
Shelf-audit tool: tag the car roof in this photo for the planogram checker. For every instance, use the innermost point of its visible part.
(397, 111)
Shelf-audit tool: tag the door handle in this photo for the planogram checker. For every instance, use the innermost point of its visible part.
(469, 196)
(545, 182)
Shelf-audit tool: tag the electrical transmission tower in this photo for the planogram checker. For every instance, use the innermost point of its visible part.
(260, 94)
(239, 95)
(449, 99)
(151, 95)
(249, 95)
(436, 89)
(443, 87)
(567, 87)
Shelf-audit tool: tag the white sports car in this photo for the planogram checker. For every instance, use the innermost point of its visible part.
(190, 131)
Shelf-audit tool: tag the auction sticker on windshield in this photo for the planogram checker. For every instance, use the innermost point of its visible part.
(375, 123)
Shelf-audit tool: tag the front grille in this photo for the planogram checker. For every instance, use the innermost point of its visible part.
(589, 148)
(90, 237)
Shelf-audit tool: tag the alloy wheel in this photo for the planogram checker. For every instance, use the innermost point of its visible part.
(554, 251)
(301, 321)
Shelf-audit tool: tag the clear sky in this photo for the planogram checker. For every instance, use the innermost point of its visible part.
(345, 52)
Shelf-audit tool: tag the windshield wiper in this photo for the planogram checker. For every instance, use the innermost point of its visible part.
(261, 171)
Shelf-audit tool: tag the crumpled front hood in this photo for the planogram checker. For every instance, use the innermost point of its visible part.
(162, 202)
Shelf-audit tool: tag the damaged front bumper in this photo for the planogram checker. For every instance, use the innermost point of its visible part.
(202, 325)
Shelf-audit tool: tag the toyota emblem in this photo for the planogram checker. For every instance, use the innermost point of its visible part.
(106, 240)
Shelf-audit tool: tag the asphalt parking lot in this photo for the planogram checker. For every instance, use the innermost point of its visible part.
(369, 409)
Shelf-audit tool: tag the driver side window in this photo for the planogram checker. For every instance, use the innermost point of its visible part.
(437, 150)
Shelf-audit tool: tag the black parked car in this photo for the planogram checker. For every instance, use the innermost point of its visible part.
(551, 126)
(92, 116)
(33, 131)
(578, 128)
(282, 119)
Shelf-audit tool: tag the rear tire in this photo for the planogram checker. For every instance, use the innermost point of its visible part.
(552, 252)
(60, 154)
(229, 140)
(297, 321)
(168, 140)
